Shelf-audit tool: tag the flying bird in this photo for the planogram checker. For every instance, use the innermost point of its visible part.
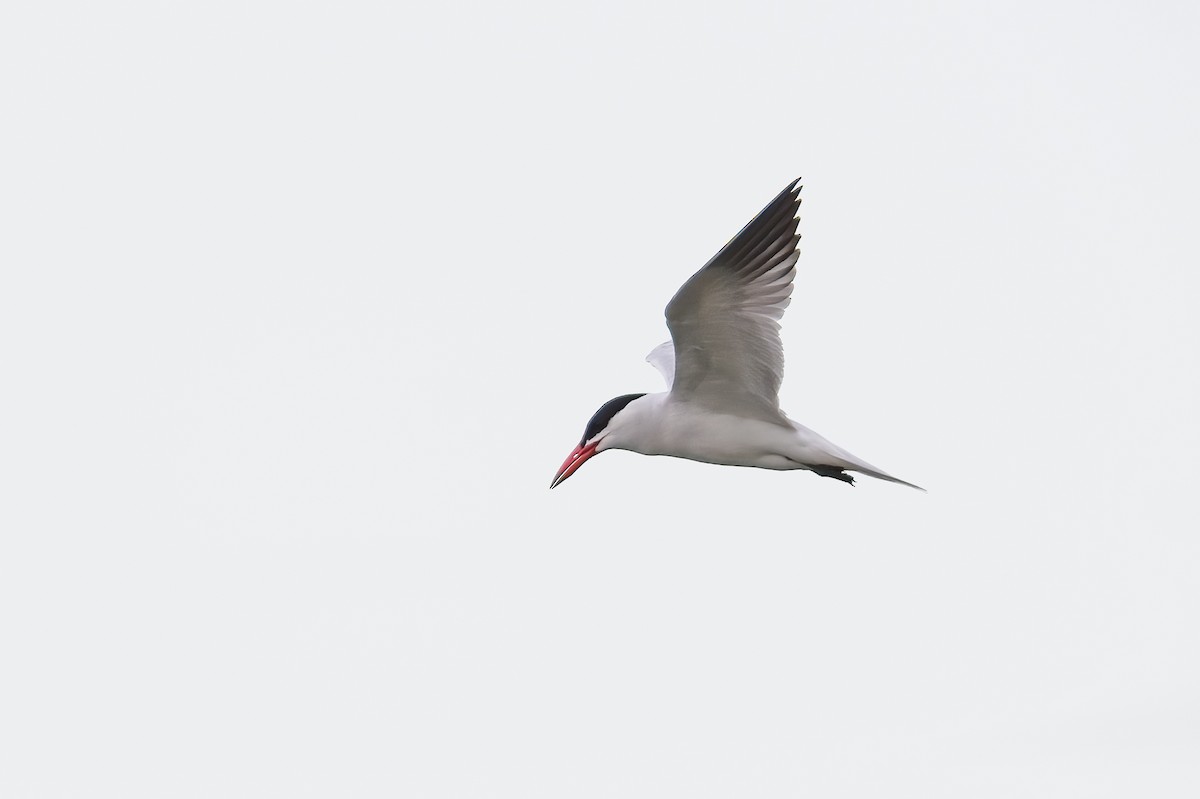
(723, 367)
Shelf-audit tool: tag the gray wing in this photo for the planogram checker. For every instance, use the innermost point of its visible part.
(724, 320)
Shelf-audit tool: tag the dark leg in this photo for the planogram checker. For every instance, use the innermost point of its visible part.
(834, 472)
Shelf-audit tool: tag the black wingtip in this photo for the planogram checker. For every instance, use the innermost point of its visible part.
(771, 222)
(789, 196)
(792, 192)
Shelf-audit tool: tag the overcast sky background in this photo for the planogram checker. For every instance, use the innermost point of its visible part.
(302, 305)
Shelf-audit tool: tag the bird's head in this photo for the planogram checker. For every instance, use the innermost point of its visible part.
(596, 435)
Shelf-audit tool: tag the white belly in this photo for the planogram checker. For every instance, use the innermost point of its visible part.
(684, 432)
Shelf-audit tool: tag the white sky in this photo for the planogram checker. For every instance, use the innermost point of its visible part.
(301, 306)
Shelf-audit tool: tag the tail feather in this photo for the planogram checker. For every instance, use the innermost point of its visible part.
(834, 459)
(885, 476)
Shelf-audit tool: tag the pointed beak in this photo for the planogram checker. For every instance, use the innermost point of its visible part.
(574, 461)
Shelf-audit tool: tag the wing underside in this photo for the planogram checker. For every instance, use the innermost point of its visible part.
(724, 320)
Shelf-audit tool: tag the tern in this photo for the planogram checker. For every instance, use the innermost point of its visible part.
(723, 368)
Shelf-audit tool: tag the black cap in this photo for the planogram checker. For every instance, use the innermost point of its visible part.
(607, 411)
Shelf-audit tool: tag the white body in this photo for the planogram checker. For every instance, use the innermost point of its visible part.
(657, 424)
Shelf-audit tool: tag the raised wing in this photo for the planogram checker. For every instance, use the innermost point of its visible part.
(724, 320)
(662, 358)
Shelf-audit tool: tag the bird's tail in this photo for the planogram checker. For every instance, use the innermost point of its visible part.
(873, 472)
(834, 456)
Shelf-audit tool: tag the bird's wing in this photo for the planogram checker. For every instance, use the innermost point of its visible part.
(662, 358)
(724, 320)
